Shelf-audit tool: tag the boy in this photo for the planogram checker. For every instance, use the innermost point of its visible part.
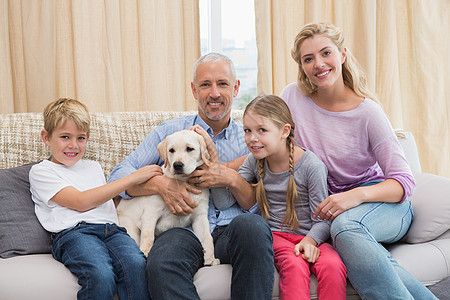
(73, 202)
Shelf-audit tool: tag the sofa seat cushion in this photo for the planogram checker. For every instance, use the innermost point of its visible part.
(213, 283)
(428, 262)
(20, 231)
(37, 276)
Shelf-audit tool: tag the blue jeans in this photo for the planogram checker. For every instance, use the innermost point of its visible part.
(105, 259)
(246, 244)
(373, 272)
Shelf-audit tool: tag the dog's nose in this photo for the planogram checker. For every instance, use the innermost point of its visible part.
(178, 166)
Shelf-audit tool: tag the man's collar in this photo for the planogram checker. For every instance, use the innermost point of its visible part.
(204, 125)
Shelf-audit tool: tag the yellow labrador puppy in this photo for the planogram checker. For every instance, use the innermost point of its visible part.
(146, 217)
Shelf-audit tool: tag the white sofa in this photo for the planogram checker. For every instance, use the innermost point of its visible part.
(27, 270)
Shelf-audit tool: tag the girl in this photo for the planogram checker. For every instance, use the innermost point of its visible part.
(337, 118)
(291, 182)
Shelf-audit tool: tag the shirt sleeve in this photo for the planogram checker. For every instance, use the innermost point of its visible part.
(45, 184)
(222, 197)
(317, 191)
(248, 171)
(145, 154)
(389, 153)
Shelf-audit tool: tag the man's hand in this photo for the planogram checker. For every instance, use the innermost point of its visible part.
(213, 175)
(210, 146)
(175, 194)
(210, 176)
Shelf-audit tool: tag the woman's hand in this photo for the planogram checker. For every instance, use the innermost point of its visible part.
(308, 248)
(389, 191)
(336, 204)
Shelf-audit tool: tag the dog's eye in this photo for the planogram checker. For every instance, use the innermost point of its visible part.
(171, 150)
(189, 149)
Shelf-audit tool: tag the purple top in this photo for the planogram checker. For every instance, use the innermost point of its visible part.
(357, 146)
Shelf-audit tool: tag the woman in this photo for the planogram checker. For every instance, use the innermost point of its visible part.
(369, 179)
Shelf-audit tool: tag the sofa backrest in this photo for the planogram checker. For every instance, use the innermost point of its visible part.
(113, 136)
(408, 144)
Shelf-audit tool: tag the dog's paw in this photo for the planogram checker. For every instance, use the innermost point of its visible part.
(146, 248)
(212, 261)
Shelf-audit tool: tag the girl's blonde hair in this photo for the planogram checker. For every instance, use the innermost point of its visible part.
(58, 112)
(274, 108)
(352, 72)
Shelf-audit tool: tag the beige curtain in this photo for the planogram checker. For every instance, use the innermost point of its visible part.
(114, 55)
(403, 46)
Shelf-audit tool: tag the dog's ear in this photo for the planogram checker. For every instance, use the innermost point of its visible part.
(162, 150)
(204, 151)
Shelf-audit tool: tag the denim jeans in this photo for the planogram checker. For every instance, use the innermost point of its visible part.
(246, 244)
(105, 259)
(373, 272)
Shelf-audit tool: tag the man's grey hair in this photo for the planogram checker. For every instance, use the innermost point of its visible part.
(214, 57)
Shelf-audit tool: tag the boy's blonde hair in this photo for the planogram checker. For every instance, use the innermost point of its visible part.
(352, 72)
(274, 108)
(58, 112)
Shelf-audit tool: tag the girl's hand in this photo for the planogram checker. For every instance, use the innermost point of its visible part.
(308, 248)
(145, 173)
(336, 204)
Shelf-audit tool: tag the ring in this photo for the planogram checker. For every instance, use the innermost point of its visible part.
(330, 212)
(198, 179)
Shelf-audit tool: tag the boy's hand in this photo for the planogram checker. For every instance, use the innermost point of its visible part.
(307, 247)
(145, 173)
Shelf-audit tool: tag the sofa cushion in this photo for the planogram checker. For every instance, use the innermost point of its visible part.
(20, 230)
(427, 262)
(36, 276)
(431, 203)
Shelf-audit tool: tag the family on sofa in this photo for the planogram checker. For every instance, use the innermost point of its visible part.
(334, 117)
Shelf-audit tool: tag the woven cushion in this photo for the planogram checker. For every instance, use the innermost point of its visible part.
(20, 230)
(113, 136)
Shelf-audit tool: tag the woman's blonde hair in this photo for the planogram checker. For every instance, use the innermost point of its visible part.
(58, 112)
(352, 72)
(274, 108)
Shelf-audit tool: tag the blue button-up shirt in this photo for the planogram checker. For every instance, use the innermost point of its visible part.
(230, 145)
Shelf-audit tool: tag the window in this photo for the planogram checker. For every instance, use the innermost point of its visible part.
(228, 27)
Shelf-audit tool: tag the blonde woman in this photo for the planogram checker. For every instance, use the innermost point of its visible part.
(369, 179)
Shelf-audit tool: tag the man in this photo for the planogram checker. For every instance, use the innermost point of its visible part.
(244, 240)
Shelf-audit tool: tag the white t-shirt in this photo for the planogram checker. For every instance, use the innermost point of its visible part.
(48, 178)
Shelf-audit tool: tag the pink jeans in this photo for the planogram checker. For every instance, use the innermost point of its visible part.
(294, 270)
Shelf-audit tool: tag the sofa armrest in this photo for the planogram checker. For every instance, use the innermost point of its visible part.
(431, 204)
